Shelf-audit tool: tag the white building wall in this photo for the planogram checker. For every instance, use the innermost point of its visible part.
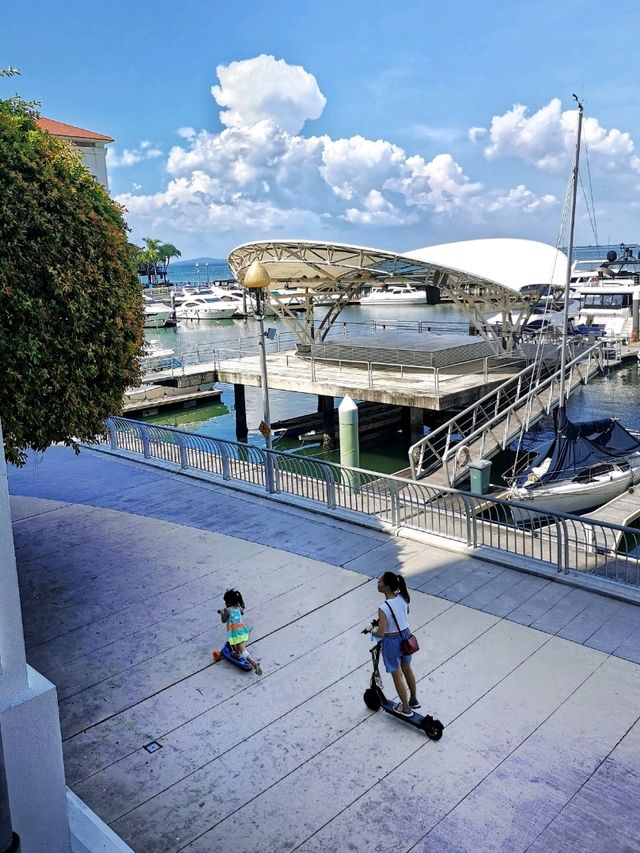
(95, 159)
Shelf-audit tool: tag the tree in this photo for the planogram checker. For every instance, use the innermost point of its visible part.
(154, 255)
(70, 301)
(168, 251)
(149, 258)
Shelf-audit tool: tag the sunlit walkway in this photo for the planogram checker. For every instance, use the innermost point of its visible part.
(122, 568)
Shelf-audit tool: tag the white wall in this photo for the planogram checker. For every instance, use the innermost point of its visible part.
(95, 158)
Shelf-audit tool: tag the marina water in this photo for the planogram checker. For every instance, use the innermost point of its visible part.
(616, 394)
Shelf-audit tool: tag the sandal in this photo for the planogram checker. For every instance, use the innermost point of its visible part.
(398, 710)
(414, 703)
(258, 668)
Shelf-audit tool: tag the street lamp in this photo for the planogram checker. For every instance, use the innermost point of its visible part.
(207, 266)
(198, 274)
(257, 280)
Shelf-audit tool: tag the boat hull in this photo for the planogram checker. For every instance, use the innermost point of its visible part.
(570, 497)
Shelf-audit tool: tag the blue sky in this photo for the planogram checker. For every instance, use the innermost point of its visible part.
(393, 125)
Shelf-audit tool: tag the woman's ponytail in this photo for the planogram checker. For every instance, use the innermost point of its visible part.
(402, 588)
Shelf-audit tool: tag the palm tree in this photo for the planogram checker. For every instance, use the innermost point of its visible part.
(168, 251)
(150, 257)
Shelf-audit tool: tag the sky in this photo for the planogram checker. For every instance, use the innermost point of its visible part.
(390, 125)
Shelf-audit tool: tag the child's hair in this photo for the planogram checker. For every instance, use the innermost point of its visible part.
(396, 583)
(233, 598)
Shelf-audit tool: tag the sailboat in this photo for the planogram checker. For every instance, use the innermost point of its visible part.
(588, 463)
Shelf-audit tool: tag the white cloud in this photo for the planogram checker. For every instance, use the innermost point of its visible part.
(186, 132)
(546, 139)
(130, 157)
(267, 88)
(477, 133)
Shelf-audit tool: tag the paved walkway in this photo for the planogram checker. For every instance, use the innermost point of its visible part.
(122, 568)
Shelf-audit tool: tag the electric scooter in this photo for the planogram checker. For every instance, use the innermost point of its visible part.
(225, 652)
(375, 699)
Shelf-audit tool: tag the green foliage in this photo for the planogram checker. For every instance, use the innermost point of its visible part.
(70, 301)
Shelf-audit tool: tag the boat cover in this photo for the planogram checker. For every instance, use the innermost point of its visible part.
(579, 445)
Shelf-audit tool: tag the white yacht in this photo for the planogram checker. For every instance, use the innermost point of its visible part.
(156, 314)
(610, 306)
(204, 307)
(394, 294)
(155, 356)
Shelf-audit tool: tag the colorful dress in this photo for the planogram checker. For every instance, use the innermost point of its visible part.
(237, 631)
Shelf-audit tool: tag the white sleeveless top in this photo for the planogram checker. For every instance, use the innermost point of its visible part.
(399, 607)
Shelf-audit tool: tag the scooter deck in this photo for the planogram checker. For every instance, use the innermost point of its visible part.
(415, 719)
(225, 652)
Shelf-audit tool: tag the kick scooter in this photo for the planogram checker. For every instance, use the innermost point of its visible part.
(375, 699)
(225, 652)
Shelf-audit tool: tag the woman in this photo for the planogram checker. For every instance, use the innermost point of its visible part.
(393, 628)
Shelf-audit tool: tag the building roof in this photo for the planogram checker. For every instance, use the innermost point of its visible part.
(59, 128)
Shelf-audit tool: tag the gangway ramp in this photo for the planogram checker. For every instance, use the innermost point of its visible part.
(484, 428)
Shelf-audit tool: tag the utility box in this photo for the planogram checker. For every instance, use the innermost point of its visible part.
(480, 475)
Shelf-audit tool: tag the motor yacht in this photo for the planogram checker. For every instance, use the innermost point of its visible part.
(155, 356)
(156, 314)
(394, 294)
(207, 307)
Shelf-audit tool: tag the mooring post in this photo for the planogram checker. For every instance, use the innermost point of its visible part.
(326, 406)
(240, 405)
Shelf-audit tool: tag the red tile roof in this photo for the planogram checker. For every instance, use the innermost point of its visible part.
(58, 128)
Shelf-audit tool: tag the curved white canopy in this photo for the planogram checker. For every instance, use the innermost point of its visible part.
(512, 263)
(509, 264)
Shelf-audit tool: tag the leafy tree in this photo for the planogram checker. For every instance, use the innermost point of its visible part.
(154, 254)
(168, 251)
(70, 301)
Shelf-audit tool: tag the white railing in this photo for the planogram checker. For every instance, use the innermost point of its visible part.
(567, 543)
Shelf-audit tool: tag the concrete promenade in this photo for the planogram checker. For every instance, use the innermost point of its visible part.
(122, 568)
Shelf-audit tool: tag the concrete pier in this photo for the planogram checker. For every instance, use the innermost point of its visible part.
(122, 568)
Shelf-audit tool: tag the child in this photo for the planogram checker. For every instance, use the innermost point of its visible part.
(237, 631)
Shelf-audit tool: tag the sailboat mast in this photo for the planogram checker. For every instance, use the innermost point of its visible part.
(567, 284)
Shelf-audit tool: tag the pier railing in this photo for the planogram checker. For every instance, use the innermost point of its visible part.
(562, 543)
(491, 422)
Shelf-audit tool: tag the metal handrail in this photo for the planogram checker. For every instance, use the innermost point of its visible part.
(565, 542)
(496, 413)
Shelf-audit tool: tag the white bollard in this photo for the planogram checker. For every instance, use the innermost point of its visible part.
(349, 440)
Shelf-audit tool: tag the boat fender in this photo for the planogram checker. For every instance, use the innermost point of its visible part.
(463, 456)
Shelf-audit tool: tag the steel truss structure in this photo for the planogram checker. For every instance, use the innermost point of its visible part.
(333, 273)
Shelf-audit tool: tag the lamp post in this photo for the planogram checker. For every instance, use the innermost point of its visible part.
(257, 280)
(207, 267)
(198, 274)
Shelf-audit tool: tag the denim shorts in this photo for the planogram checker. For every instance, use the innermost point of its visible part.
(391, 651)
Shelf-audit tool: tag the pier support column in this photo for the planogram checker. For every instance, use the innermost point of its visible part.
(241, 412)
(325, 405)
(412, 424)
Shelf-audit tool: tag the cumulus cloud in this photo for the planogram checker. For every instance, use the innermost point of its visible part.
(267, 88)
(546, 138)
(130, 157)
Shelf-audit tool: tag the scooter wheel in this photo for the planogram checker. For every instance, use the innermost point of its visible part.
(432, 728)
(371, 699)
